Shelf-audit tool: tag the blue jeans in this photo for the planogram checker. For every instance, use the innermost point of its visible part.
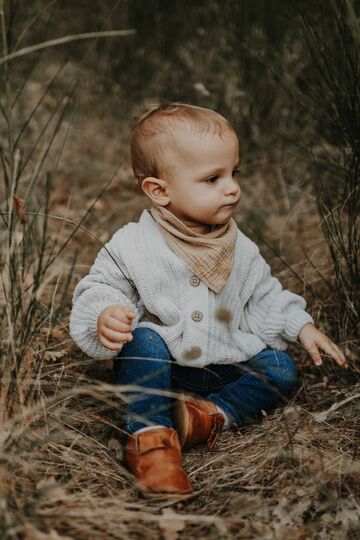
(241, 391)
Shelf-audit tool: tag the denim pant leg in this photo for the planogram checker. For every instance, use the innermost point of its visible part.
(263, 382)
(145, 361)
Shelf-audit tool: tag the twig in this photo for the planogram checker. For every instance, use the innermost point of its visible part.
(65, 39)
(322, 416)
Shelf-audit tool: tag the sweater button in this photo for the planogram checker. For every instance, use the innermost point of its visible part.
(196, 316)
(194, 281)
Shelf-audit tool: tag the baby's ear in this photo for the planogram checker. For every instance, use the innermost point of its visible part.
(156, 189)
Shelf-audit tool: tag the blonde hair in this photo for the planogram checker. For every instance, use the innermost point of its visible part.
(155, 130)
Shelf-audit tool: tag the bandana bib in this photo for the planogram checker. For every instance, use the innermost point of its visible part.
(210, 256)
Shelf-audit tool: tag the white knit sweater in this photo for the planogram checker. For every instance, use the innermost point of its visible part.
(167, 297)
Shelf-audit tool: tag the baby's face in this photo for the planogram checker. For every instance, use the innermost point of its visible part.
(202, 184)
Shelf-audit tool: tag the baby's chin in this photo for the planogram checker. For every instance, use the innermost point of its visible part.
(223, 216)
(207, 221)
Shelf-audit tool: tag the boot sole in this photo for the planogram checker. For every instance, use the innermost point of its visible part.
(161, 494)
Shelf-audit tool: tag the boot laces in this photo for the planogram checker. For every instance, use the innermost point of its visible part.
(216, 430)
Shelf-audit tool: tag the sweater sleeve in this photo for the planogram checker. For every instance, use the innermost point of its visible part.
(273, 314)
(108, 283)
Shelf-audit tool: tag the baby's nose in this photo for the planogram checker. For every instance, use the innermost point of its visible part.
(233, 188)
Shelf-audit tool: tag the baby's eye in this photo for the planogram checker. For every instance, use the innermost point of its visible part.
(236, 172)
(212, 180)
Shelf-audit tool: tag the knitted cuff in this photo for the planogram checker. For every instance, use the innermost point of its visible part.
(296, 319)
(83, 327)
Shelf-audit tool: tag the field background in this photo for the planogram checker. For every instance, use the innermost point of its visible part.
(287, 75)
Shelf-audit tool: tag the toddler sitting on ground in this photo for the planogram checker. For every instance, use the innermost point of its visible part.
(184, 303)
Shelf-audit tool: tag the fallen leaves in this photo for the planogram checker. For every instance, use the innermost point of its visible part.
(18, 205)
(54, 355)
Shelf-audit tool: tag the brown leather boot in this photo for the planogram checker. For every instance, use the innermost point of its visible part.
(197, 421)
(154, 457)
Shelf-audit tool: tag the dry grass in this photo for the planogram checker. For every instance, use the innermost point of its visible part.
(293, 476)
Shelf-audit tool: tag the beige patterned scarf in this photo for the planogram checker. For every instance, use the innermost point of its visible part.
(210, 256)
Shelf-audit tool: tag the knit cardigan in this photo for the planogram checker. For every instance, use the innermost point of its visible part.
(166, 296)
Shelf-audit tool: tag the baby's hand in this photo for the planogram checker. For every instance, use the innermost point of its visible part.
(114, 326)
(313, 340)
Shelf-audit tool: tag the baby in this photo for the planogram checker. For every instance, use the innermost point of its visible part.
(185, 305)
